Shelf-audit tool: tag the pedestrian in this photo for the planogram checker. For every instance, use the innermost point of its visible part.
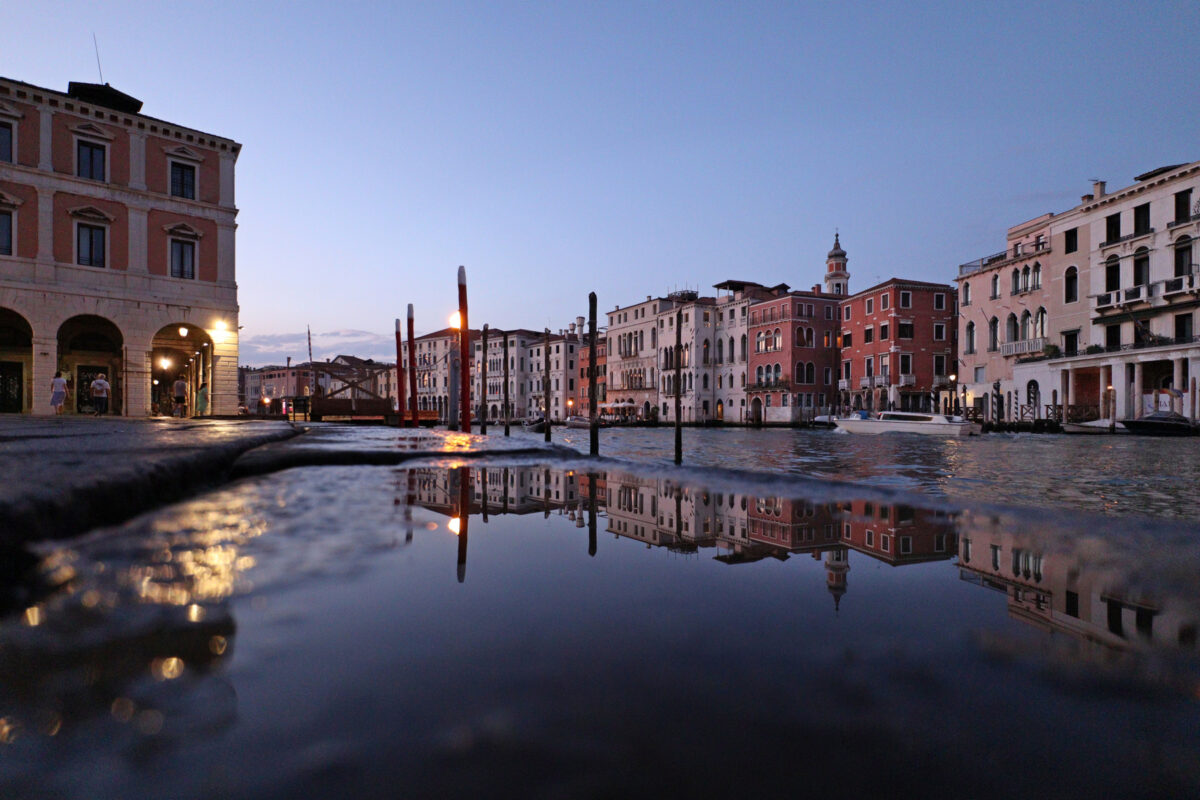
(202, 400)
(58, 392)
(180, 397)
(100, 389)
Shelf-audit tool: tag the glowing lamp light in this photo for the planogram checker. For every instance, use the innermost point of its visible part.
(221, 325)
(456, 320)
(165, 363)
(455, 525)
(183, 331)
(953, 377)
(266, 401)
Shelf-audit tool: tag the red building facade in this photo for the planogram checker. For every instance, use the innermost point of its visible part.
(585, 380)
(898, 346)
(792, 371)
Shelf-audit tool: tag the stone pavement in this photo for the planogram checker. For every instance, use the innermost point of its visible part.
(61, 476)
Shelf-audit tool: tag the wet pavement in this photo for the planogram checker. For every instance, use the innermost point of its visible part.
(381, 613)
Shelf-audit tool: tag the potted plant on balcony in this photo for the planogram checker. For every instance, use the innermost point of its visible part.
(1093, 349)
(1052, 351)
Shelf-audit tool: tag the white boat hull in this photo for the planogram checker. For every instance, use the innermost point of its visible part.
(877, 426)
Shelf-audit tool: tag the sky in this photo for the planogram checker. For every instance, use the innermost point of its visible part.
(630, 149)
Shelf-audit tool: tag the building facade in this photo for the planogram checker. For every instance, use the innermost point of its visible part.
(632, 358)
(791, 375)
(117, 251)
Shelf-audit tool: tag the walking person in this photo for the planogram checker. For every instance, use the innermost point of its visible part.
(100, 389)
(180, 397)
(202, 400)
(58, 392)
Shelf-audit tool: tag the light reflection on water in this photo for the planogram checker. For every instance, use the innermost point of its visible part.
(576, 620)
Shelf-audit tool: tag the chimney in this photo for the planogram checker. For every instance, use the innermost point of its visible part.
(579, 324)
(1098, 189)
(572, 328)
(1087, 198)
(816, 288)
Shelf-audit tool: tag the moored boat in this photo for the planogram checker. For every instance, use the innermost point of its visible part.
(535, 424)
(910, 422)
(1162, 423)
(577, 421)
(1093, 428)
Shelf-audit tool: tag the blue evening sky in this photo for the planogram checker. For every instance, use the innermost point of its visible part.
(626, 148)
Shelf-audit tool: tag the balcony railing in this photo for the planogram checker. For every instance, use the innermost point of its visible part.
(1137, 293)
(1179, 284)
(866, 382)
(1183, 221)
(843, 384)
(908, 380)
(1023, 346)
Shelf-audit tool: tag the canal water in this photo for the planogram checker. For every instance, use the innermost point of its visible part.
(524, 628)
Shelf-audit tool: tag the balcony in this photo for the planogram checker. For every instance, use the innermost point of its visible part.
(1106, 300)
(843, 384)
(1023, 346)
(1182, 283)
(1128, 237)
(1135, 293)
(866, 382)
(908, 380)
(1183, 221)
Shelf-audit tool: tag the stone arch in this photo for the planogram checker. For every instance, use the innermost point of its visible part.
(16, 363)
(88, 346)
(182, 351)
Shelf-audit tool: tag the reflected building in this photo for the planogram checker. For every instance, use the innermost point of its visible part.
(898, 534)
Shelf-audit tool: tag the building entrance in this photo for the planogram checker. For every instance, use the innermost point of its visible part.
(12, 386)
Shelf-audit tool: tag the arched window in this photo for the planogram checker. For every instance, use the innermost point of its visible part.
(1025, 279)
(1183, 257)
(720, 350)
(704, 381)
(1037, 275)
(1141, 267)
(1010, 329)
(994, 333)
(744, 342)
(778, 373)
(1071, 285)
(777, 342)
(995, 286)
(1016, 281)
(810, 373)
(654, 337)
(732, 352)
(1039, 324)
(1026, 320)
(705, 353)
(799, 337)
(687, 354)
(970, 343)
(758, 342)
(1112, 274)
(758, 375)
(799, 372)
(966, 294)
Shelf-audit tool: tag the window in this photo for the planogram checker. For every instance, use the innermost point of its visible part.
(847, 313)
(906, 363)
(906, 299)
(1071, 240)
(995, 286)
(183, 259)
(846, 370)
(89, 160)
(1071, 285)
(1112, 337)
(1070, 343)
(6, 231)
(1011, 329)
(90, 245)
(1112, 274)
(1183, 328)
(939, 302)
(883, 331)
(994, 334)
(1141, 267)
(847, 339)
(1183, 200)
(870, 306)
(939, 332)
(183, 180)
(827, 376)
(868, 335)
(969, 344)
(1037, 276)
(1141, 219)
(1016, 281)
(980, 374)
(904, 330)
(6, 142)
(966, 294)
(1183, 257)
(1112, 228)
(884, 302)
(828, 312)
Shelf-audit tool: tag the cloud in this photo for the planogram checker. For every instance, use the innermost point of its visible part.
(260, 350)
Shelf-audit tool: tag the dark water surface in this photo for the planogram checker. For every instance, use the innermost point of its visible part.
(364, 632)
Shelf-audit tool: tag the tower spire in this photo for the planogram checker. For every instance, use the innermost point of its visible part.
(837, 277)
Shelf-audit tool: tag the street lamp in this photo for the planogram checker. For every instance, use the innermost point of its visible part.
(570, 405)
(953, 393)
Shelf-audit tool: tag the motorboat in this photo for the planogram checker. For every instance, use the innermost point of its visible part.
(1162, 423)
(909, 422)
(578, 421)
(1095, 427)
(824, 421)
(535, 424)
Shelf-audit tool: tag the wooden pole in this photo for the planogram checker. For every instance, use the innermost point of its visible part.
(592, 505)
(412, 368)
(464, 354)
(400, 373)
(593, 375)
(483, 492)
(507, 413)
(464, 497)
(546, 379)
(483, 408)
(678, 388)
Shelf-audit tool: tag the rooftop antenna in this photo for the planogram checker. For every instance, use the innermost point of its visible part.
(96, 45)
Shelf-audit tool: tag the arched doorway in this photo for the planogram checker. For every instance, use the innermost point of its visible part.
(720, 411)
(1033, 396)
(89, 346)
(646, 410)
(181, 351)
(756, 411)
(16, 363)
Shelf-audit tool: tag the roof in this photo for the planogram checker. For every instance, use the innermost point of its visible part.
(837, 251)
(102, 94)
(945, 287)
(1145, 176)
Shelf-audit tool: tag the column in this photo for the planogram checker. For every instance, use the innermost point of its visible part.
(1137, 390)
(45, 242)
(138, 241)
(1177, 385)
(1105, 380)
(137, 160)
(136, 380)
(46, 150)
(45, 363)
(1070, 393)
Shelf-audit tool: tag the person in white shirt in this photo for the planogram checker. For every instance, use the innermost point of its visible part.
(100, 389)
(58, 392)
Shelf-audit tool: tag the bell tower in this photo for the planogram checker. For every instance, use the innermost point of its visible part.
(837, 279)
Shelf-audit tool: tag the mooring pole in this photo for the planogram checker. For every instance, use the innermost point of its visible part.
(546, 378)
(678, 388)
(400, 384)
(593, 375)
(412, 367)
(464, 354)
(504, 493)
(592, 509)
(507, 413)
(483, 408)
(464, 515)
(483, 492)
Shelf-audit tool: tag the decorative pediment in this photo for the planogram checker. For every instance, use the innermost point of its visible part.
(8, 201)
(9, 112)
(183, 154)
(91, 214)
(91, 131)
(181, 230)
